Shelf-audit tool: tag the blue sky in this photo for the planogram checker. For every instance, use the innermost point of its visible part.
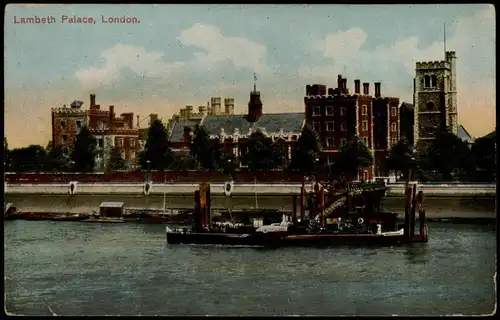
(184, 54)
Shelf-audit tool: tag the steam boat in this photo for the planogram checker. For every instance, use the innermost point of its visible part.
(350, 217)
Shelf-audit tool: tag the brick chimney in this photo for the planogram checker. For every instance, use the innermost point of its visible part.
(344, 86)
(187, 134)
(111, 116)
(377, 90)
(92, 101)
(366, 88)
(357, 86)
(339, 83)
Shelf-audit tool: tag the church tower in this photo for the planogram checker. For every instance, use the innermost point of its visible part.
(255, 104)
(435, 96)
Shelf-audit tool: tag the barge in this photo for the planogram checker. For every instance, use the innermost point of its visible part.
(344, 221)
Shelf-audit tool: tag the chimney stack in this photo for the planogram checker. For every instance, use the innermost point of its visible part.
(92, 101)
(339, 83)
(357, 86)
(377, 90)
(138, 120)
(366, 88)
(187, 134)
(111, 116)
(344, 86)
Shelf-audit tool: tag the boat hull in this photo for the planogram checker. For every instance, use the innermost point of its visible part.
(280, 240)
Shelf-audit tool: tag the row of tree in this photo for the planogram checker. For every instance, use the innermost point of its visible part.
(446, 158)
(81, 158)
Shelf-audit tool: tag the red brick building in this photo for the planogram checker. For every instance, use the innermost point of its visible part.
(337, 116)
(109, 130)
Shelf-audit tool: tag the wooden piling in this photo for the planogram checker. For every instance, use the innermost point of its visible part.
(294, 209)
(423, 232)
(413, 209)
(321, 195)
(408, 193)
(302, 195)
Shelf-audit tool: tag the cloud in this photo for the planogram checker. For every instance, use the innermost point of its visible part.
(473, 40)
(143, 63)
(241, 52)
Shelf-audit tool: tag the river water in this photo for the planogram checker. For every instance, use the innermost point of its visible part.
(128, 269)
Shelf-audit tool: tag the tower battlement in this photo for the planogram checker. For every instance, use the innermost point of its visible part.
(433, 65)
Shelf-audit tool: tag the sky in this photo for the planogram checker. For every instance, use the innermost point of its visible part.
(178, 55)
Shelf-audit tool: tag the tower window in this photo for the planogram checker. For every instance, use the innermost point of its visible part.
(365, 141)
(63, 124)
(316, 111)
(393, 127)
(365, 110)
(64, 139)
(393, 111)
(365, 125)
(430, 106)
(433, 81)
(78, 124)
(342, 111)
(342, 126)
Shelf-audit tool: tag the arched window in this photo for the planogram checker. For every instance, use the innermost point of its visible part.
(433, 81)
(427, 81)
(430, 106)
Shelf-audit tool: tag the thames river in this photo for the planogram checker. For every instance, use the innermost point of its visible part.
(71, 268)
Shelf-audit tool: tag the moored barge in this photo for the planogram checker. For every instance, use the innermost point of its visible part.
(338, 224)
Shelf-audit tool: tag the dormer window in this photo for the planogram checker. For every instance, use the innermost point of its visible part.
(316, 111)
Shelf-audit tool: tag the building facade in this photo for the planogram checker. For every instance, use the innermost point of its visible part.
(435, 98)
(109, 130)
(233, 130)
(337, 116)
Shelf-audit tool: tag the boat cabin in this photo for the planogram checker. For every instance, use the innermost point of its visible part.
(111, 209)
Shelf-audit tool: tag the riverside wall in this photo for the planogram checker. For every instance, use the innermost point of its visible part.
(465, 201)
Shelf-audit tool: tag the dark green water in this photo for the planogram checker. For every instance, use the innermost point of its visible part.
(128, 269)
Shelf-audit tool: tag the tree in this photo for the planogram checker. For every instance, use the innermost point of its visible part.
(157, 149)
(305, 152)
(401, 157)
(351, 157)
(116, 161)
(84, 151)
(30, 159)
(204, 150)
(262, 154)
(484, 158)
(448, 155)
(56, 159)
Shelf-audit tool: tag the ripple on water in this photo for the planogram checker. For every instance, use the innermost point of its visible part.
(86, 269)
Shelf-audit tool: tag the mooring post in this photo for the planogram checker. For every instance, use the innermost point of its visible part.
(302, 194)
(321, 195)
(294, 209)
(421, 217)
(197, 211)
(413, 209)
(408, 193)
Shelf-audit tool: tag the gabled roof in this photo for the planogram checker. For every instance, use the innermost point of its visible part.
(271, 123)
(463, 134)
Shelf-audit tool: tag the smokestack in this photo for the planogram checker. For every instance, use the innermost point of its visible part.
(339, 83)
(138, 120)
(92, 101)
(357, 86)
(377, 89)
(366, 88)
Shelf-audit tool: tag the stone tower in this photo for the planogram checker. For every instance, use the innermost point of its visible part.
(435, 97)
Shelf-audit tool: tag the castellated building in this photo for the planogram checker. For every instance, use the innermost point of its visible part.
(109, 130)
(337, 116)
(435, 98)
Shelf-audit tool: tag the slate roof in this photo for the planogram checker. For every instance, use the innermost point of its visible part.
(463, 134)
(177, 133)
(271, 122)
